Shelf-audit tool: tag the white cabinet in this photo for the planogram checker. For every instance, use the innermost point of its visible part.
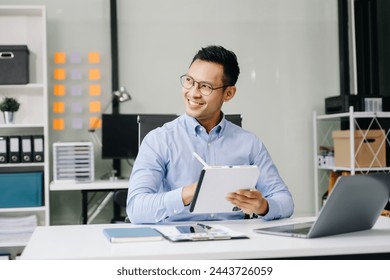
(26, 25)
(325, 125)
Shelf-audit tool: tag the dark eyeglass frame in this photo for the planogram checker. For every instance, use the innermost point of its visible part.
(200, 83)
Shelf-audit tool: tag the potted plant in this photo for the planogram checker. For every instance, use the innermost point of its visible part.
(8, 106)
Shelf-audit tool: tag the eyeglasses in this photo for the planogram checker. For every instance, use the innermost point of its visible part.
(205, 88)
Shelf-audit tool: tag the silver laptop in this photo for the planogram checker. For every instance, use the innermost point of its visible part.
(354, 204)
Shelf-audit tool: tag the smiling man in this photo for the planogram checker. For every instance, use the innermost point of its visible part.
(165, 173)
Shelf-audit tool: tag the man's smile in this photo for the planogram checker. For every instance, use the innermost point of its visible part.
(194, 103)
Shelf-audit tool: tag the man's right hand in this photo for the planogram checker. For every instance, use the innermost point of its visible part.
(188, 193)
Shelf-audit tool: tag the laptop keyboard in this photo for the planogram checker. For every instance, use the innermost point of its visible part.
(303, 228)
(300, 230)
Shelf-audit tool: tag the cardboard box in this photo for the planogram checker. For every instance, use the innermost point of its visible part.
(369, 151)
(21, 189)
(14, 65)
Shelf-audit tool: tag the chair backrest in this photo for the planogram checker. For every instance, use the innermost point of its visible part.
(148, 122)
(235, 118)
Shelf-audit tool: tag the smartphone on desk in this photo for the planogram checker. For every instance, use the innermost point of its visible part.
(191, 229)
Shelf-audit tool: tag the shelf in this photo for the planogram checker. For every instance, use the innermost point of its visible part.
(323, 127)
(22, 164)
(17, 91)
(28, 24)
(355, 115)
(27, 87)
(28, 28)
(12, 244)
(12, 126)
(10, 10)
(338, 168)
(23, 209)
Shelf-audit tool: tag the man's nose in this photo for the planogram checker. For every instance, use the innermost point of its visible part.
(195, 90)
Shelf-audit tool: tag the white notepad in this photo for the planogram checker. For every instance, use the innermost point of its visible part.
(216, 182)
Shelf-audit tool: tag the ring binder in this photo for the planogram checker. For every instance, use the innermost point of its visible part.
(37, 151)
(3, 149)
(26, 149)
(14, 149)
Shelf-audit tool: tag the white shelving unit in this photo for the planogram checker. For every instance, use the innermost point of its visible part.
(26, 25)
(323, 125)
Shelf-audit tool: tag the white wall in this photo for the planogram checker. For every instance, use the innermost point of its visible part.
(287, 50)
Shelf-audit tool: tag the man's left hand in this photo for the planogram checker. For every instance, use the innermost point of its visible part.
(249, 201)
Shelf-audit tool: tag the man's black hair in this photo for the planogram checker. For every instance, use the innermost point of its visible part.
(224, 57)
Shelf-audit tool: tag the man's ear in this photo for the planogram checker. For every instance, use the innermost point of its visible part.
(229, 93)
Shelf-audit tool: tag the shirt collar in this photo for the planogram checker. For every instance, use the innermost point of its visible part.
(196, 128)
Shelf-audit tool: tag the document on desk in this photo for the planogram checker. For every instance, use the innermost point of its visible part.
(131, 234)
(192, 233)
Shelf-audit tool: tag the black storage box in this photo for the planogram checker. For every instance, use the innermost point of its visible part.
(341, 103)
(14, 65)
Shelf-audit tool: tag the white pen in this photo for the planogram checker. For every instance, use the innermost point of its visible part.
(200, 159)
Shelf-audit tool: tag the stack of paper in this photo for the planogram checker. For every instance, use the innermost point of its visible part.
(17, 229)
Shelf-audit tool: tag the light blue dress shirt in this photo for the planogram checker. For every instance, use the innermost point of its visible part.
(165, 164)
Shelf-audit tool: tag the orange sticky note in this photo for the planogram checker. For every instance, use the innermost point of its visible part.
(58, 107)
(59, 74)
(58, 124)
(59, 58)
(94, 57)
(94, 107)
(59, 90)
(94, 90)
(95, 122)
(94, 74)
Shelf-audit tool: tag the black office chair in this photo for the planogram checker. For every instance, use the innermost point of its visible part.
(235, 118)
(120, 198)
(148, 122)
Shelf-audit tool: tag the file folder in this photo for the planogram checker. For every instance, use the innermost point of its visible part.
(13, 149)
(38, 152)
(3, 149)
(26, 148)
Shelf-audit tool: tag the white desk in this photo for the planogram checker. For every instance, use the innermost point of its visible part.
(98, 185)
(88, 242)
